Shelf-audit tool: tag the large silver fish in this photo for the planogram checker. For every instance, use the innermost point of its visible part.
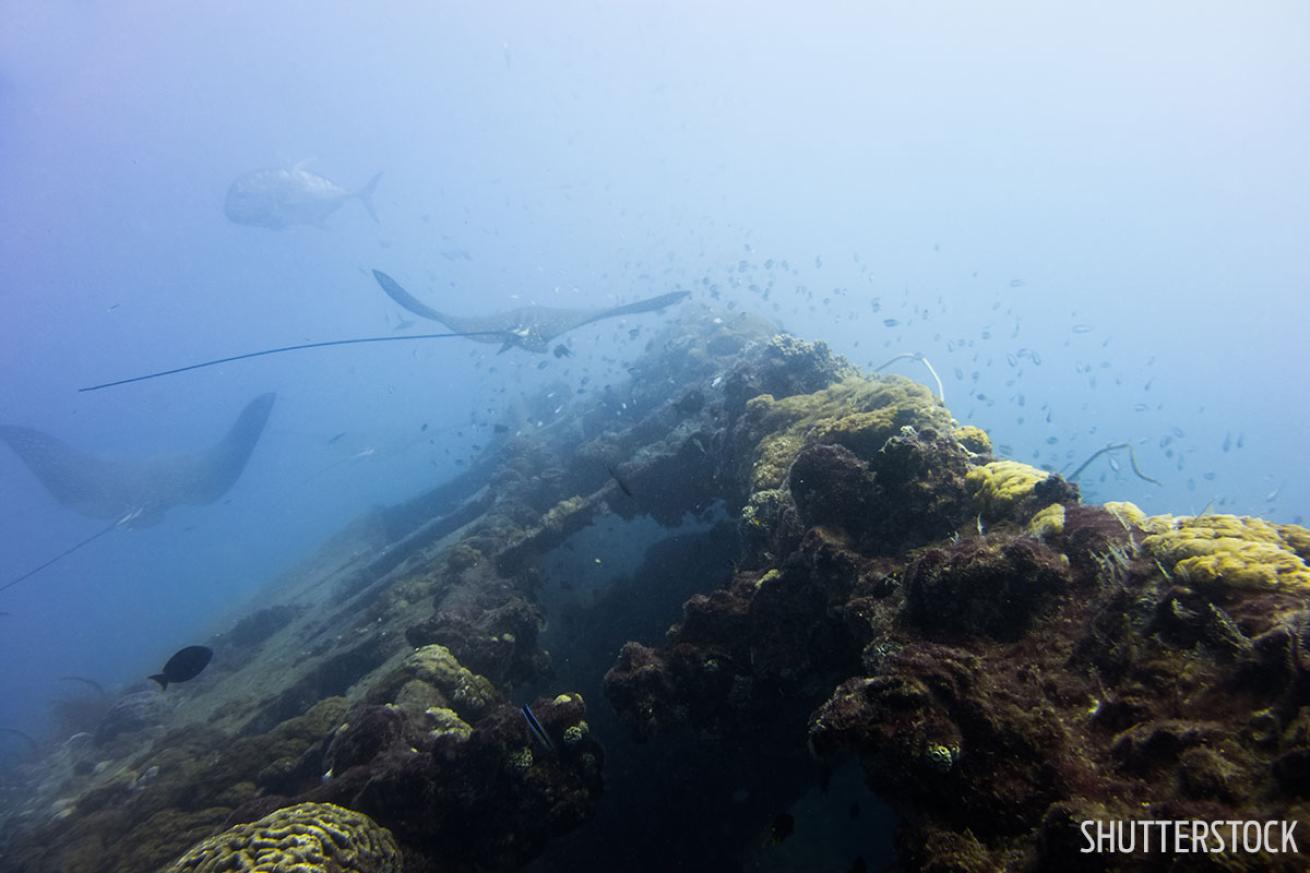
(281, 198)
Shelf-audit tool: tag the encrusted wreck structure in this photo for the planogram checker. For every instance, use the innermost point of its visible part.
(837, 572)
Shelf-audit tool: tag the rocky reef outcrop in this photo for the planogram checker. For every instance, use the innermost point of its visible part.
(866, 583)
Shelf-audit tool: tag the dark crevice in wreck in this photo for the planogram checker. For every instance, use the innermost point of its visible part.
(802, 571)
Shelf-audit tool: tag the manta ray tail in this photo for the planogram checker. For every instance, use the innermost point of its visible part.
(64, 554)
(279, 350)
(365, 196)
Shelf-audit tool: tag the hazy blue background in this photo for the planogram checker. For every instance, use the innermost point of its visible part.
(991, 176)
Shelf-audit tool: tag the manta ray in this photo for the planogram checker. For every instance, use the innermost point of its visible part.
(139, 492)
(527, 327)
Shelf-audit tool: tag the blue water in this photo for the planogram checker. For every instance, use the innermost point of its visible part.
(1118, 189)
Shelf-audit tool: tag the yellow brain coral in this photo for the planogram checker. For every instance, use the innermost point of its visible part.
(1243, 552)
(305, 838)
(998, 486)
(1047, 522)
(974, 439)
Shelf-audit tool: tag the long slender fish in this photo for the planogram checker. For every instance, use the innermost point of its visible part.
(535, 728)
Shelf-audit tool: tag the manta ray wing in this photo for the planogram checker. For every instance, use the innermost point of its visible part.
(93, 487)
(108, 489)
(213, 473)
(650, 304)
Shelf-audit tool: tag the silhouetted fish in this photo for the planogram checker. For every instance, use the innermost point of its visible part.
(281, 198)
(186, 664)
(623, 486)
(782, 827)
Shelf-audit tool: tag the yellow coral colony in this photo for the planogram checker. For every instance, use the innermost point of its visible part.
(1047, 522)
(998, 486)
(858, 413)
(1225, 550)
(307, 837)
(974, 439)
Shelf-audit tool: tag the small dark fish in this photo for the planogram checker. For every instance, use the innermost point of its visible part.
(542, 365)
(424, 427)
(184, 665)
(500, 428)
(90, 683)
(26, 737)
(890, 322)
(534, 727)
(335, 438)
(563, 351)
(783, 826)
(623, 486)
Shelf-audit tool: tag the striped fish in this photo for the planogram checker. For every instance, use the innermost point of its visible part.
(534, 726)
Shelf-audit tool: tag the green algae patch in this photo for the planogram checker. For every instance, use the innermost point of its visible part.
(998, 487)
(857, 413)
(436, 666)
(446, 722)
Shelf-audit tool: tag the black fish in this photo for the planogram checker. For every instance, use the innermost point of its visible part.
(26, 737)
(782, 827)
(184, 665)
(563, 351)
(623, 486)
